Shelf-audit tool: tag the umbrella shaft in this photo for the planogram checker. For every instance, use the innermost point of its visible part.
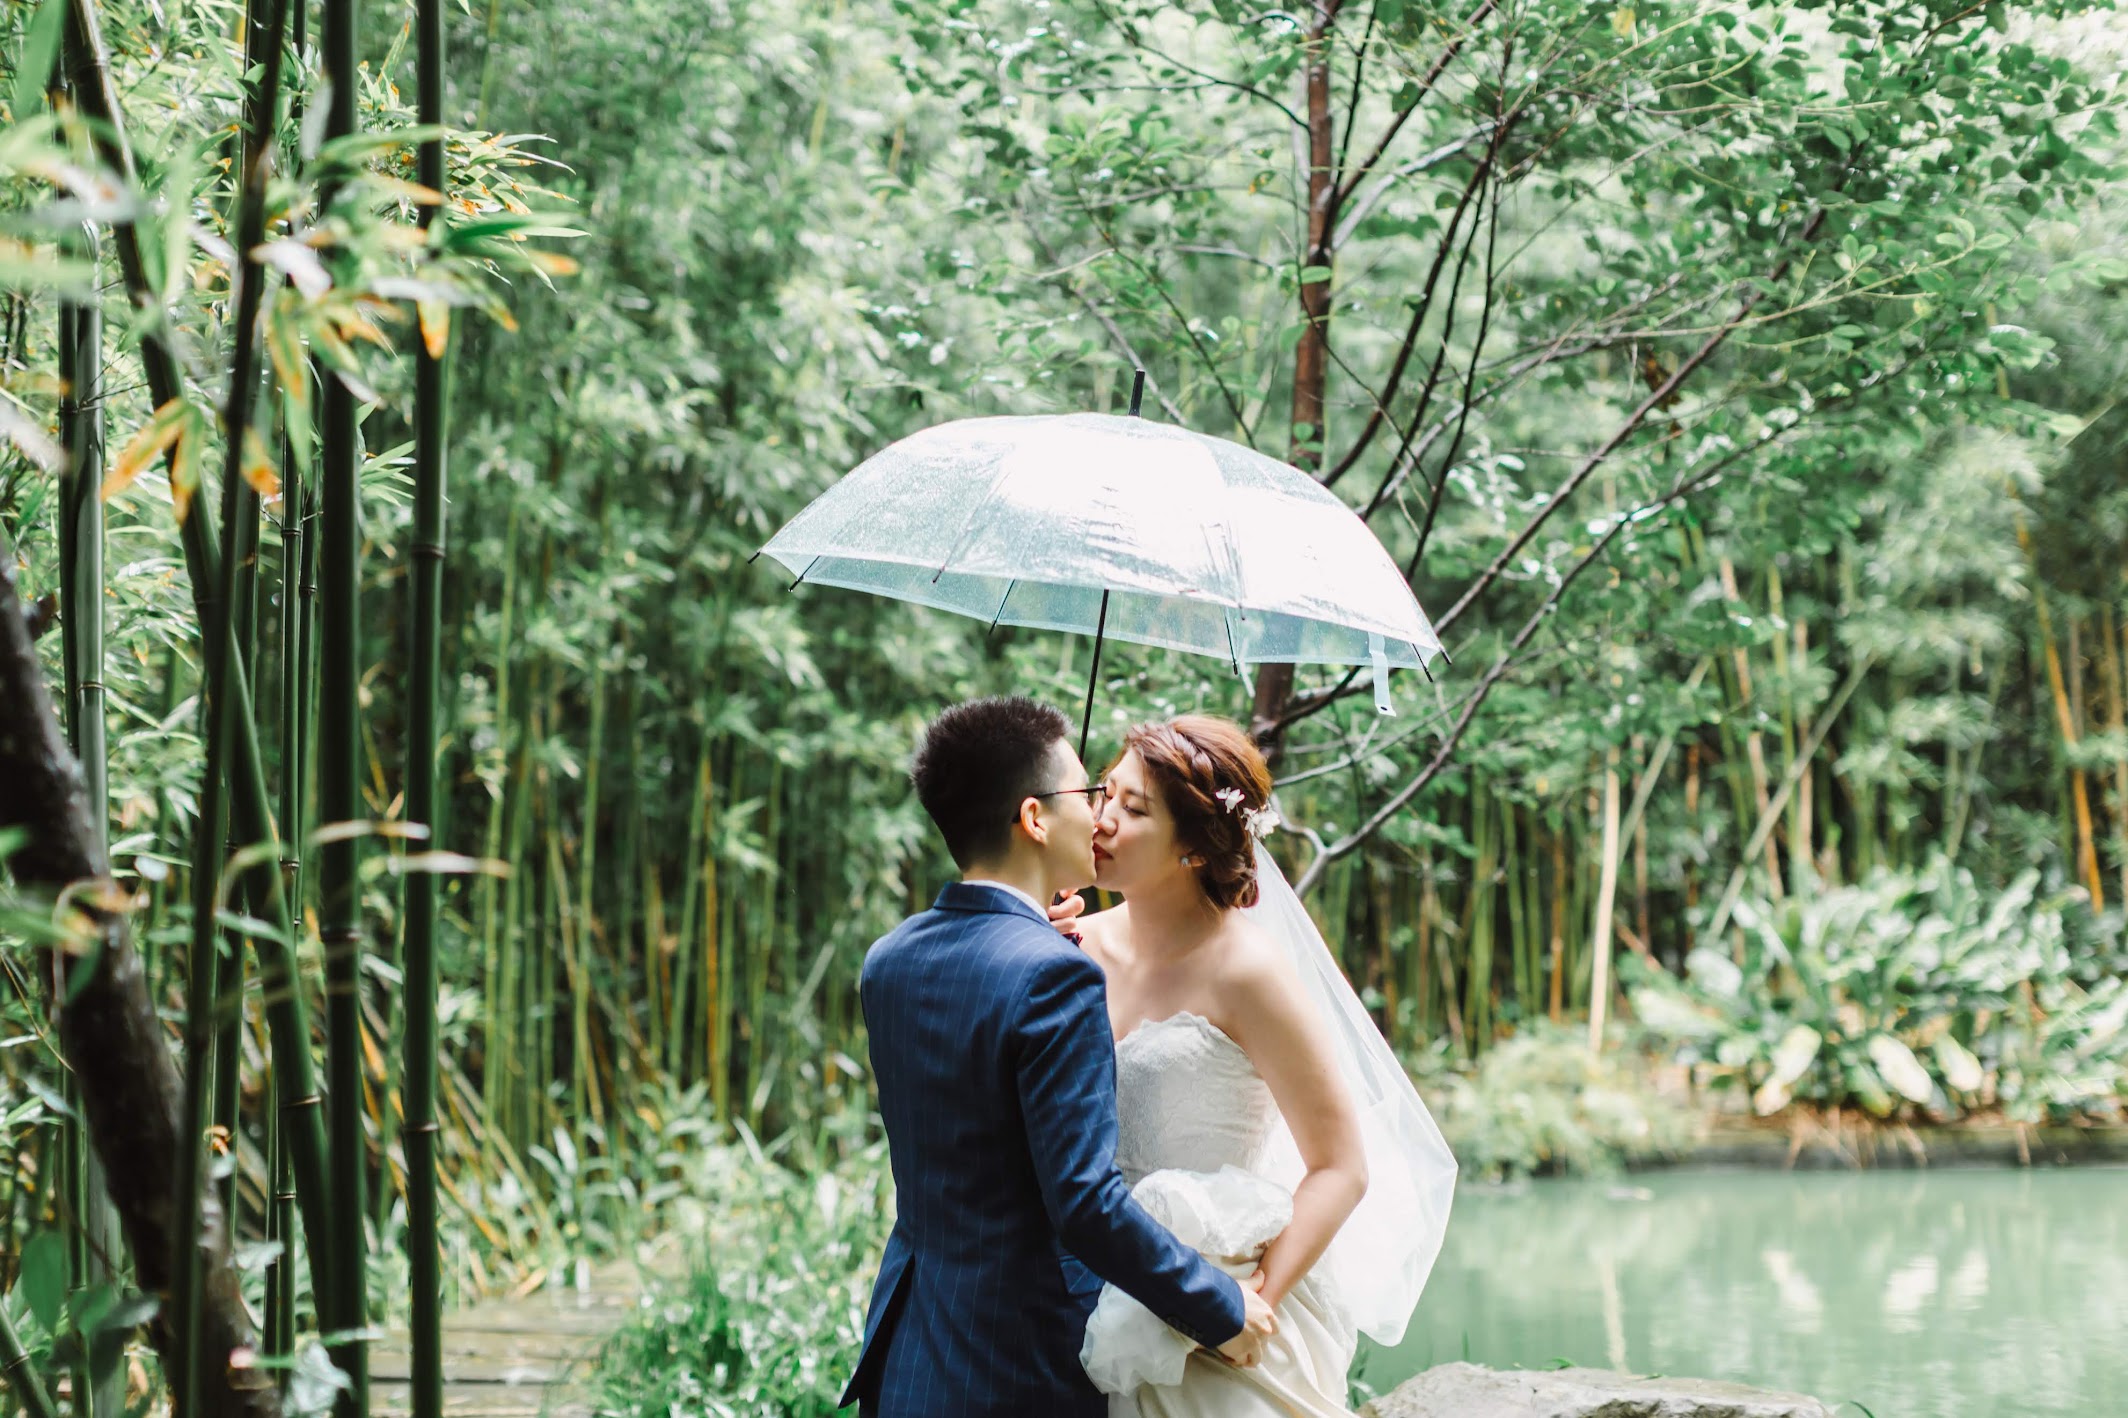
(1086, 721)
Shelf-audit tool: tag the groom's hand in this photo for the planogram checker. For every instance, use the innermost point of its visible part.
(1258, 1324)
(1064, 914)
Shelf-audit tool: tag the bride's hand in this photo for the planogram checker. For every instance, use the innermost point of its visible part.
(1259, 1323)
(1064, 914)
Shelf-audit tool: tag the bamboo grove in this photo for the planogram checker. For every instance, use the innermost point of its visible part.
(467, 851)
(329, 218)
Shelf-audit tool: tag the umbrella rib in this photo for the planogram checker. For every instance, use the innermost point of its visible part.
(803, 574)
(960, 538)
(1233, 645)
(1010, 586)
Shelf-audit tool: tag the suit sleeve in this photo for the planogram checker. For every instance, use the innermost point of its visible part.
(1066, 1069)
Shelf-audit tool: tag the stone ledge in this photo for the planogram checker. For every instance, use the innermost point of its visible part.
(1472, 1391)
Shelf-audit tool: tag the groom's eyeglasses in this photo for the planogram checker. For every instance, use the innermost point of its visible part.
(1096, 794)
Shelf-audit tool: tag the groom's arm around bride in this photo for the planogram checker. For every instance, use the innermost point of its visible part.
(995, 1066)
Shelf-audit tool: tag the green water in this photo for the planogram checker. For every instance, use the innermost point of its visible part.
(1941, 1294)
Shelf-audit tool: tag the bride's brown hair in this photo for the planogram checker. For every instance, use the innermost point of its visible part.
(1192, 760)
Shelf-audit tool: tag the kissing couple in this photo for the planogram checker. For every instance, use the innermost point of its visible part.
(1152, 1161)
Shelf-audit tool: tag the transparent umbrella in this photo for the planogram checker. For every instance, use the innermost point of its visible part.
(1118, 528)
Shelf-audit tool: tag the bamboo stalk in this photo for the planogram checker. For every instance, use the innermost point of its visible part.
(2117, 721)
(716, 927)
(1801, 849)
(1478, 923)
(589, 1102)
(99, 1390)
(20, 1374)
(1556, 1006)
(1606, 895)
(1767, 819)
(340, 797)
(223, 658)
(774, 832)
(1754, 745)
(1378, 894)
(677, 1026)
(1692, 760)
(2065, 718)
(425, 671)
(279, 979)
(1421, 980)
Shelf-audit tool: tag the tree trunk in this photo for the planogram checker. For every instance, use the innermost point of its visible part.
(1311, 356)
(108, 1030)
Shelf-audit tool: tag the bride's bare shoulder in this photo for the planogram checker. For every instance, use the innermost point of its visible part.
(1098, 930)
(1253, 969)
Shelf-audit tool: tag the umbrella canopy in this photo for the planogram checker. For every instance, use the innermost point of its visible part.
(1118, 527)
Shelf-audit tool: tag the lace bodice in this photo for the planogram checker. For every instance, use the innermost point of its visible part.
(1187, 1097)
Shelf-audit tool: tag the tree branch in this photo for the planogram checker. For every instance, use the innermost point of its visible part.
(1659, 396)
(109, 1032)
(1347, 845)
(1347, 184)
(1419, 312)
(1115, 332)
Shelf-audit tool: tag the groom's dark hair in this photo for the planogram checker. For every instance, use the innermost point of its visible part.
(978, 762)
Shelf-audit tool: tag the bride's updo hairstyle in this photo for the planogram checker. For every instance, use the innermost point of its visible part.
(1191, 760)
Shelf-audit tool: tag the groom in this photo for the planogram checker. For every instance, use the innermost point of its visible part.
(995, 1063)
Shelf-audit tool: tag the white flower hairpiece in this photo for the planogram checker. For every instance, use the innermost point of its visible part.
(1257, 822)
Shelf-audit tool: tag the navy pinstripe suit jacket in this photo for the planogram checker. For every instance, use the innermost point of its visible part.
(996, 1071)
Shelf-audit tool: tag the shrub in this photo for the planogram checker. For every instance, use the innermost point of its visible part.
(1541, 1102)
(1910, 992)
(765, 1321)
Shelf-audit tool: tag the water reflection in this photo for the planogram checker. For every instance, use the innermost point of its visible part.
(1946, 1294)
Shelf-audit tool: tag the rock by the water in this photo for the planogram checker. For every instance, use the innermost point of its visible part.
(1472, 1391)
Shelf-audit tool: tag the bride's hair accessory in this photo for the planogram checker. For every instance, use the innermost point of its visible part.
(1214, 782)
(1258, 822)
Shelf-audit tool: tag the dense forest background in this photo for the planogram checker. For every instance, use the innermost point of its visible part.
(1739, 382)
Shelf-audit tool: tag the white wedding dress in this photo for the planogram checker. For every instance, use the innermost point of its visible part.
(1195, 1123)
(1206, 1152)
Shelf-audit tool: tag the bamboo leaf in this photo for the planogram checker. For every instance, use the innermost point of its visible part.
(30, 440)
(185, 462)
(553, 263)
(407, 191)
(42, 1281)
(353, 148)
(257, 467)
(449, 864)
(161, 430)
(297, 261)
(435, 318)
(40, 48)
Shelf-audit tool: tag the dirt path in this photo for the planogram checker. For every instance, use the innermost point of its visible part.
(515, 1358)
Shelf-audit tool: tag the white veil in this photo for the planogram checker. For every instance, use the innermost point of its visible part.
(1378, 1262)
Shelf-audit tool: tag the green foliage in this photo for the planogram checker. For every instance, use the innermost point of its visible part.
(1908, 992)
(809, 230)
(1541, 1103)
(767, 1318)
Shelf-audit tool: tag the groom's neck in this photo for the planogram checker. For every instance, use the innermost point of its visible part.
(1028, 876)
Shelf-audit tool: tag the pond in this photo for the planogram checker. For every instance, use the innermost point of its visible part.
(1934, 1294)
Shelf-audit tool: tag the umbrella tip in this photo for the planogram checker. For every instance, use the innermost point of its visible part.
(1137, 390)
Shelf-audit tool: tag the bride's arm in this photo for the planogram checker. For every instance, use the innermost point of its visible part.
(1269, 1015)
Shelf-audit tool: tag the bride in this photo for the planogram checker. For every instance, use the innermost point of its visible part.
(1260, 1115)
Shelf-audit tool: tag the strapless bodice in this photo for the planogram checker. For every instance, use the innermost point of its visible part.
(1187, 1097)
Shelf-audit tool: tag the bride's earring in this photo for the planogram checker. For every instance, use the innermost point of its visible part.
(1189, 861)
